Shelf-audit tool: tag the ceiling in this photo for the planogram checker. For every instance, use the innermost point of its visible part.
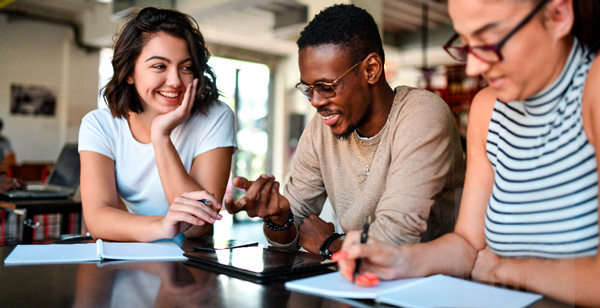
(278, 22)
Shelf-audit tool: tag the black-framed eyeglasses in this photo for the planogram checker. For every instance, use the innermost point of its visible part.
(325, 89)
(487, 53)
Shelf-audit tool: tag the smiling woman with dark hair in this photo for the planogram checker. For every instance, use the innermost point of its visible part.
(529, 211)
(156, 163)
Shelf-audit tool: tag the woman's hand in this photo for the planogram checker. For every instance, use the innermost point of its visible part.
(164, 124)
(485, 265)
(188, 210)
(386, 261)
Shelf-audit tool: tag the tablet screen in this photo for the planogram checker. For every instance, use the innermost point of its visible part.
(261, 261)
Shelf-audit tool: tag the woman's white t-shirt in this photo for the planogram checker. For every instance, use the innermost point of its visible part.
(138, 182)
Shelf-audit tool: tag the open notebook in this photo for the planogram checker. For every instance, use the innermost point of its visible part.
(433, 291)
(94, 252)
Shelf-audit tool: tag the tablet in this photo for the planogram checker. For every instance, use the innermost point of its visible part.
(261, 264)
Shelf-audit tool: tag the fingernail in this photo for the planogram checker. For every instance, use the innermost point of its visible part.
(370, 275)
(349, 274)
(362, 279)
(219, 216)
(264, 176)
(212, 220)
(200, 222)
(374, 282)
(340, 255)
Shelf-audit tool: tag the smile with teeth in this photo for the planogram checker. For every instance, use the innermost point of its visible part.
(328, 117)
(169, 94)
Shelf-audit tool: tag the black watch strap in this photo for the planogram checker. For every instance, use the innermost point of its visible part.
(324, 250)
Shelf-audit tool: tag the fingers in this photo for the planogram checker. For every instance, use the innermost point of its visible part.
(232, 206)
(176, 216)
(274, 205)
(346, 258)
(262, 197)
(188, 96)
(367, 280)
(258, 196)
(209, 198)
(197, 212)
(352, 238)
(192, 96)
(242, 183)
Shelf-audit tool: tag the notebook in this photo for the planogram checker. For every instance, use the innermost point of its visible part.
(261, 264)
(62, 182)
(94, 252)
(426, 292)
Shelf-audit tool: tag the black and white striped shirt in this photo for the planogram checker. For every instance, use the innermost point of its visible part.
(544, 202)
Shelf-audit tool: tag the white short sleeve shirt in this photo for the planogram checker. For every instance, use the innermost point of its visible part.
(138, 182)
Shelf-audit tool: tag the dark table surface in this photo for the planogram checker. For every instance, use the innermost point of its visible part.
(147, 284)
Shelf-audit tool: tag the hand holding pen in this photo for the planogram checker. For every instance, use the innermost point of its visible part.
(363, 240)
(195, 208)
(367, 263)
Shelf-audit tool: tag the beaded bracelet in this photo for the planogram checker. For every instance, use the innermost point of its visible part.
(275, 227)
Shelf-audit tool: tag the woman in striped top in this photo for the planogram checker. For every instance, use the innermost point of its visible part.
(529, 212)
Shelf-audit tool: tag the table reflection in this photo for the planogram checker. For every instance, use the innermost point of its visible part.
(146, 284)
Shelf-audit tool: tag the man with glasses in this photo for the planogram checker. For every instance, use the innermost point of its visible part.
(370, 149)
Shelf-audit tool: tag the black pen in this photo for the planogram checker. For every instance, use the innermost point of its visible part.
(363, 240)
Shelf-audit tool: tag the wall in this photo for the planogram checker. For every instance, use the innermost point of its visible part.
(41, 53)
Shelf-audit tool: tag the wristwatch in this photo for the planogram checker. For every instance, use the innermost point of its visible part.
(324, 250)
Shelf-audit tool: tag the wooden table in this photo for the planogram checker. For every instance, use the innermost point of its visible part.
(150, 284)
(30, 207)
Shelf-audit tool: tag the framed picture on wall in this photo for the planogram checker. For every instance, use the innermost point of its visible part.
(32, 99)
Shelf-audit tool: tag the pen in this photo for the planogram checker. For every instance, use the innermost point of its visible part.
(363, 240)
(206, 202)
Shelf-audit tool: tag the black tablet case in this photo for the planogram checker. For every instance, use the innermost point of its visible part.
(261, 264)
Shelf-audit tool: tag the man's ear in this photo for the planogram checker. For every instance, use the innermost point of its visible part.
(374, 68)
(129, 80)
(560, 17)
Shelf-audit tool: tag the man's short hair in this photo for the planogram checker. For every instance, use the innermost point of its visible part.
(346, 25)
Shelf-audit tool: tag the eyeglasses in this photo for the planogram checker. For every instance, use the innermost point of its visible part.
(487, 53)
(325, 89)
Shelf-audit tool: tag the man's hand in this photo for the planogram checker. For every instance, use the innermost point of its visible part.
(313, 231)
(262, 199)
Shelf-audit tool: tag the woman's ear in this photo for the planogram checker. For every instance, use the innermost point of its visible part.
(560, 17)
(130, 80)
(374, 68)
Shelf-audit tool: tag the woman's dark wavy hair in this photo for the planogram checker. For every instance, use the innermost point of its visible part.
(587, 23)
(122, 97)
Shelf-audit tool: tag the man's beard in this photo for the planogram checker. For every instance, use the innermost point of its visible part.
(352, 127)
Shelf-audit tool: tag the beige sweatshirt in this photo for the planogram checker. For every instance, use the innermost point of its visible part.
(410, 175)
